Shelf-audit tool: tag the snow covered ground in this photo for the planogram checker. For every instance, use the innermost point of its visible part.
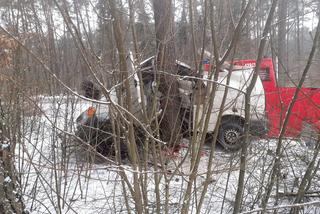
(56, 178)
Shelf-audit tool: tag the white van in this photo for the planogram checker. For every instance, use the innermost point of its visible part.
(233, 116)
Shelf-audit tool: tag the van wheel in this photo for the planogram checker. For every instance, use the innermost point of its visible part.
(231, 135)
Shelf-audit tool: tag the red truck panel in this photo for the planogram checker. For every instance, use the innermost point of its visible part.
(306, 109)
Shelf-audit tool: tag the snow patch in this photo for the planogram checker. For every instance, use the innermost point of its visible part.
(7, 179)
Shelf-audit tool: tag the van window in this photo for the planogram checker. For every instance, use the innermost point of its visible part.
(265, 74)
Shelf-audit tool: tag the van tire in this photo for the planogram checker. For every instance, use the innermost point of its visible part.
(231, 135)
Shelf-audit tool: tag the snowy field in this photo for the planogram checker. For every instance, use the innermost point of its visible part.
(57, 177)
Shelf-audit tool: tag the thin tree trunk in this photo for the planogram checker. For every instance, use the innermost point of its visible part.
(282, 42)
(263, 41)
(276, 166)
(117, 26)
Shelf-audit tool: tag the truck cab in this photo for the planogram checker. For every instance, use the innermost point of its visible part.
(306, 109)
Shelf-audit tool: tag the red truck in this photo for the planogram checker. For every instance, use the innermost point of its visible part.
(305, 112)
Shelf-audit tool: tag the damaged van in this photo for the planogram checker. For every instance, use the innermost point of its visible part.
(231, 128)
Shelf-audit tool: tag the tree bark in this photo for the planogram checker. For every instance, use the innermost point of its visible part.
(10, 196)
(282, 45)
(166, 61)
(10, 200)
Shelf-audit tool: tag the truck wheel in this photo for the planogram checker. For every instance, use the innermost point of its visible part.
(231, 135)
